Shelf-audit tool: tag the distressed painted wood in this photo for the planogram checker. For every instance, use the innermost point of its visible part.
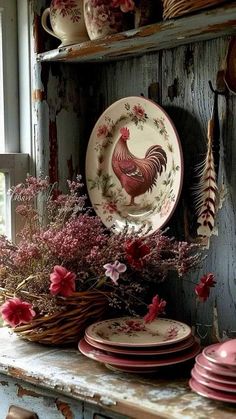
(187, 70)
(67, 100)
(205, 25)
(193, 67)
(67, 372)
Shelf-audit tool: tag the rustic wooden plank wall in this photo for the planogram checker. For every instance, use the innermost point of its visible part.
(73, 97)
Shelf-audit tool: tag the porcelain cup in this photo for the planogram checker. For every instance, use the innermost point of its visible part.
(67, 21)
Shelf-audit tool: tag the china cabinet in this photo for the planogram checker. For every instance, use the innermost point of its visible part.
(171, 63)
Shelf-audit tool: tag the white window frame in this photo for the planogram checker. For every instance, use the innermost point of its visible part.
(10, 75)
(14, 161)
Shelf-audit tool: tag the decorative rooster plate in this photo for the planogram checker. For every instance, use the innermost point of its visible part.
(134, 166)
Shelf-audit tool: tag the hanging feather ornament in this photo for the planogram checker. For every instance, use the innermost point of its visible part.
(207, 190)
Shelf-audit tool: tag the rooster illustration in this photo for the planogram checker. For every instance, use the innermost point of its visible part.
(136, 175)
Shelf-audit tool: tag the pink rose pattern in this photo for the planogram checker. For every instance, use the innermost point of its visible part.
(66, 8)
(103, 19)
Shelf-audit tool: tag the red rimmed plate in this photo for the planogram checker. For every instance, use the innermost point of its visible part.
(163, 350)
(216, 369)
(112, 359)
(134, 166)
(231, 388)
(134, 332)
(210, 393)
(214, 377)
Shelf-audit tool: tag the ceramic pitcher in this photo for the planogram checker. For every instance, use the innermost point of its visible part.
(67, 21)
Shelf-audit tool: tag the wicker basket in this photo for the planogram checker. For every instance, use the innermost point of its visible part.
(66, 326)
(175, 8)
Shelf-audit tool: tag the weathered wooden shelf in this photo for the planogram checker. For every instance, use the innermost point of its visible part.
(198, 27)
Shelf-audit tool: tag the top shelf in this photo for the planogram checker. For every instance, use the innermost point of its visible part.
(169, 34)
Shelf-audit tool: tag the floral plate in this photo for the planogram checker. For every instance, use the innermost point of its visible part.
(152, 362)
(134, 166)
(160, 350)
(133, 331)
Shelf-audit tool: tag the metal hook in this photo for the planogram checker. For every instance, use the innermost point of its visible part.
(220, 84)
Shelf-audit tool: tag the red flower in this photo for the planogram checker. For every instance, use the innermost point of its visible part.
(157, 307)
(15, 312)
(62, 281)
(203, 288)
(135, 252)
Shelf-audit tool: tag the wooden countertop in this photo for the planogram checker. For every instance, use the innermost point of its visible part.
(160, 395)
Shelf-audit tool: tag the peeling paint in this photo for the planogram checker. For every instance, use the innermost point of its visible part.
(53, 160)
(107, 401)
(3, 383)
(26, 392)
(38, 95)
(65, 409)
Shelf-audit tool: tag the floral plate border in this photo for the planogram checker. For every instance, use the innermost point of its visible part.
(148, 125)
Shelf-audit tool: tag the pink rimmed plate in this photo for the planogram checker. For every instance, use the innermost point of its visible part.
(163, 350)
(214, 377)
(231, 388)
(134, 166)
(210, 393)
(222, 353)
(134, 332)
(216, 369)
(112, 359)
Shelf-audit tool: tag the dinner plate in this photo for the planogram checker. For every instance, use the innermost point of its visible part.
(214, 377)
(134, 166)
(163, 350)
(223, 354)
(216, 369)
(112, 359)
(231, 388)
(210, 393)
(133, 331)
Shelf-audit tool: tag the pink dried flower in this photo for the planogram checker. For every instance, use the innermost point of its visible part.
(154, 309)
(62, 281)
(113, 270)
(15, 312)
(202, 290)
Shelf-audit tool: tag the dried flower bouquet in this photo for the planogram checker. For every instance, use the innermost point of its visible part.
(65, 256)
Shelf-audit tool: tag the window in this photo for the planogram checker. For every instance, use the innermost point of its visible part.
(13, 163)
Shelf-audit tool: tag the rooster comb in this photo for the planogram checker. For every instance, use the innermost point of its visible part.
(124, 133)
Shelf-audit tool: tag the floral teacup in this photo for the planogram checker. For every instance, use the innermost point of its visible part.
(67, 21)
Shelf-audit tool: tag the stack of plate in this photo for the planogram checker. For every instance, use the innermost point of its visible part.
(129, 344)
(214, 373)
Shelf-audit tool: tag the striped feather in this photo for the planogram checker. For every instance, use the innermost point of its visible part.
(207, 191)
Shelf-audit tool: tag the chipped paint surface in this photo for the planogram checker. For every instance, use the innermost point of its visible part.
(65, 409)
(169, 34)
(68, 372)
